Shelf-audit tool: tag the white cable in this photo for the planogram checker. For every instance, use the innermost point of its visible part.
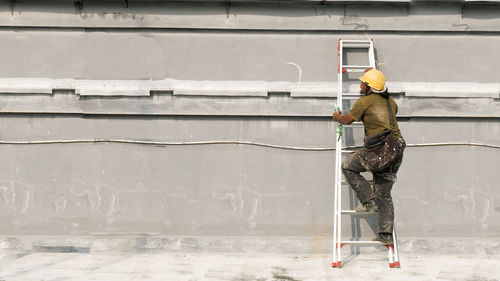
(235, 142)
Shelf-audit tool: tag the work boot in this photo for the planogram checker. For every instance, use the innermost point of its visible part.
(384, 238)
(369, 206)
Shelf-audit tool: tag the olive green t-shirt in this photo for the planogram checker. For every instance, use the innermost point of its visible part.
(372, 110)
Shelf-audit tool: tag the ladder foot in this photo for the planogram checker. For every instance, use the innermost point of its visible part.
(397, 264)
(339, 264)
(334, 264)
(391, 265)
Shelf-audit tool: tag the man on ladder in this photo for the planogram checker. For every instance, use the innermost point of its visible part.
(382, 153)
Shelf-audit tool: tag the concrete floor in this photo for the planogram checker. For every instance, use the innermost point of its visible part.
(240, 267)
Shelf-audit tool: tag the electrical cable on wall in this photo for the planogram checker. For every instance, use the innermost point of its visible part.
(166, 143)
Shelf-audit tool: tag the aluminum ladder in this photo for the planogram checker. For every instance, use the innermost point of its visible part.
(338, 243)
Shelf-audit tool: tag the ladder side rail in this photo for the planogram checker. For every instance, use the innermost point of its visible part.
(338, 159)
(335, 242)
(371, 55)
(390, 252)
(396, 253)
(393, 251)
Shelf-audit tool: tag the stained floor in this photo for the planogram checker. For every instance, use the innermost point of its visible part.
(242, 267)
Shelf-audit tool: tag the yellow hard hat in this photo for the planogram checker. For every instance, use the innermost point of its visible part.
(374, 78)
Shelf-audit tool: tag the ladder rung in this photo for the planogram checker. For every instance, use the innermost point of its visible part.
(346, 183)
(356, 66)
(348, 151)
(354, 126)
(360, 243)
(355, 70)
(356, 41)
(357, 45)
(353, 212)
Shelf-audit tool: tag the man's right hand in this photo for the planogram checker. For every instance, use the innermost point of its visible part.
(344, 119)
(336, 115)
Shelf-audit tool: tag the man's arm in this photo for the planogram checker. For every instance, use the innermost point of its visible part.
(356, 113)
(344, 119)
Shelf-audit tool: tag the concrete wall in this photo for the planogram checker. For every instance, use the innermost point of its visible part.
(96, 100)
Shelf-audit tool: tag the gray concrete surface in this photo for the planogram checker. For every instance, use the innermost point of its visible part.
(227, 189)
(236, 98)
(129, 242)
(145, 196)
(443, 16)
(421, 42)
(252, 56)
(243, 267)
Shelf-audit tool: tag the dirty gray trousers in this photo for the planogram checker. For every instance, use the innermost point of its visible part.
(383, 179)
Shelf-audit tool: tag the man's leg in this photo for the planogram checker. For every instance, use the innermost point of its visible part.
(384, 201)
(383, 181)
(351, 167)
